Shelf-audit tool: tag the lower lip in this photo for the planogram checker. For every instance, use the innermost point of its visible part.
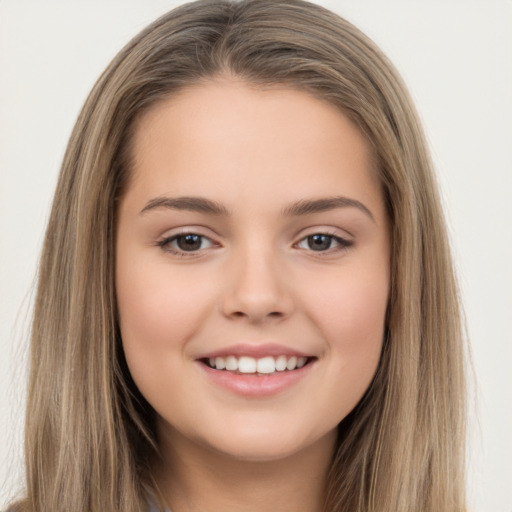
(256, 386)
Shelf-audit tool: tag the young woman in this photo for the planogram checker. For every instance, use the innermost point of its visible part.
(246, 299)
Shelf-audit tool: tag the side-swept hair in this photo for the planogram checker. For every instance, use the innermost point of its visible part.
(89, 433)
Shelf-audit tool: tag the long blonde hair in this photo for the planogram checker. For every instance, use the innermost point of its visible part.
(89, 433)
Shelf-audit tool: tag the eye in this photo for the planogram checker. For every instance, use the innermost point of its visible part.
(185, 243)
(322, 242)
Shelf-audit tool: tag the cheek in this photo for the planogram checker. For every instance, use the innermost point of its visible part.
(351, 317)
(157, 303)
(353, 302)
(159, 311)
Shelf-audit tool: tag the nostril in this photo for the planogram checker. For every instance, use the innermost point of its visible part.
(272, 314)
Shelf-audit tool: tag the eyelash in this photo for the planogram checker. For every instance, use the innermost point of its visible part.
(343, 243)
(165, 244)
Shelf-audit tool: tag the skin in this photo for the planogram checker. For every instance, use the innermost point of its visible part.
(254, 279)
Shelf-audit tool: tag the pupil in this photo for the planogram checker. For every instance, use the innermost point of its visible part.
(319, 242)
(189, 242)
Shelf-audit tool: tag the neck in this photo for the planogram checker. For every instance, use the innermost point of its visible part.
(193, 478)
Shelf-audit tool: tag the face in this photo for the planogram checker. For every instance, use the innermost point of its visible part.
(252, 268)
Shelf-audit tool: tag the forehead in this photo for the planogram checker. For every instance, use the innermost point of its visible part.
(225, 137)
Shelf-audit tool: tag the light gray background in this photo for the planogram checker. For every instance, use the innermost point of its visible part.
(455, 55)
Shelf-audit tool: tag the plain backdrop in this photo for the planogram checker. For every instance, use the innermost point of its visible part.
(456, 57)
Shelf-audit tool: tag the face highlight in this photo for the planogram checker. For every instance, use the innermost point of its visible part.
(252, 269)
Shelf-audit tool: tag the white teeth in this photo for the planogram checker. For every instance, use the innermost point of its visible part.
(246, 365)
(231, 363)
(266, 365)
(263, 365)
(292, 363)
(281, 363)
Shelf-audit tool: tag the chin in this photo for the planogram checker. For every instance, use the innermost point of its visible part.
(257, 453)
(267, 446)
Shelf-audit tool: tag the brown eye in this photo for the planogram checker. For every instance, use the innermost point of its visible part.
(321, 242)
(189, 242)
(185, 243)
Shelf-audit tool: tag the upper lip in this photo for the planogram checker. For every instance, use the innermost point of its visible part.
(254, 350)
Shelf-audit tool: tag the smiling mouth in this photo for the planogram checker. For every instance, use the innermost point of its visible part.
(268, 365)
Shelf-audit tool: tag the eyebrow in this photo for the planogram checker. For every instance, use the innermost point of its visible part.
(193, 204)
(308, 207)
(303, 207)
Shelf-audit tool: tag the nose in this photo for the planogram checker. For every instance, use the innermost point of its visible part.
(257, 289)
